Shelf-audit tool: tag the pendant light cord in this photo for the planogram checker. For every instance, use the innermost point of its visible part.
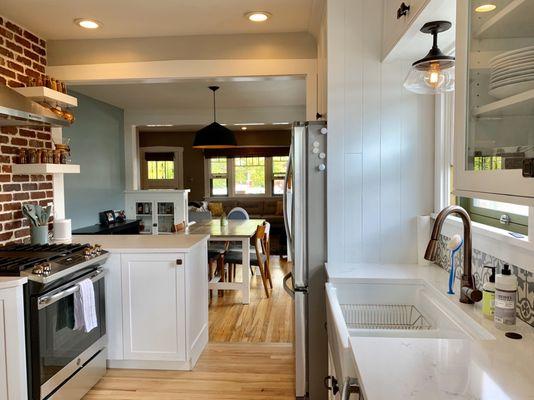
(214, 108)
(214, 89)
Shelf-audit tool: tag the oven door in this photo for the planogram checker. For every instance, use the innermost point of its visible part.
(62, 350)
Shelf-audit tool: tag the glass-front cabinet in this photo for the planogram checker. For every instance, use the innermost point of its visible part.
(494, 124)
(158, 211)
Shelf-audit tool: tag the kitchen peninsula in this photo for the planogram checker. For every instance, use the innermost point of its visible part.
(156, 299)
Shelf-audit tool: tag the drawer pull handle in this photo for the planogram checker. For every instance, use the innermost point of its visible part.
(403, 10)
(179, 261)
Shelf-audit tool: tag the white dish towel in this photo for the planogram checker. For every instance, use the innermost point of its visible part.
(84, 307)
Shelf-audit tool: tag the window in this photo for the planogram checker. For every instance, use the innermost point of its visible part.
(158, 170)
(278, 176)
(249, 175)
(511, 217)
(218, 171)
(161, 167)
(245, 176)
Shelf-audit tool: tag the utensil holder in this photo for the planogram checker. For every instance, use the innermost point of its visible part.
(39, 234)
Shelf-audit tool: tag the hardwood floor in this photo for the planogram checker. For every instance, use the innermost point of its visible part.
(225, 371)
(250, 355)
(264, 320)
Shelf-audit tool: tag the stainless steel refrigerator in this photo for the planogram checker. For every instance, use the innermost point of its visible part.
(305, 221)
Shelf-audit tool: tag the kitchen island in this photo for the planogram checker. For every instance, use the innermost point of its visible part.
(156, 299)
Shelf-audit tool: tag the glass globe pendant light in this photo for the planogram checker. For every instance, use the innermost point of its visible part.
(434, 73)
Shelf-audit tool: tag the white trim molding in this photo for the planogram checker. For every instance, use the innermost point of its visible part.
(495, 242)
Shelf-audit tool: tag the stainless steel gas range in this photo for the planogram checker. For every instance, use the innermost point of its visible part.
(63, 362)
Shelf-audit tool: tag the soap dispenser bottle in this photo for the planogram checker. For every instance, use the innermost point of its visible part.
(505, 298)
(488, 295)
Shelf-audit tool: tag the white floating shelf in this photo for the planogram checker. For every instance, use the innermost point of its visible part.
(38, 169)
(49, 96)
(519, 104)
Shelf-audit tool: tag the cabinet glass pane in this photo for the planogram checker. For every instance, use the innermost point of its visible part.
(500, 131)
(144, 216)
(165, 217)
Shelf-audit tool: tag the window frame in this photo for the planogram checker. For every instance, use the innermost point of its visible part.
(444, 177)
(275, 177)
(210, 177)
(230, 168)
(176, 183)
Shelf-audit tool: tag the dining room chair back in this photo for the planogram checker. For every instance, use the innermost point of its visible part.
(259, 240)
(266, 244)
(238, 213)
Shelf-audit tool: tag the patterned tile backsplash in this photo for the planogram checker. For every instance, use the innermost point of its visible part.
(525, 295)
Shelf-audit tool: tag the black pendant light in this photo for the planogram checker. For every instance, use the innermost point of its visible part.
(214, 136)
(434, 73)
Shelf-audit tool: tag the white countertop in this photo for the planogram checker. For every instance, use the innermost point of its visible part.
(11, 281)
(407, 368)
(144, 243)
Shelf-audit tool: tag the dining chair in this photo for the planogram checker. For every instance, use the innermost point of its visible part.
(258, 257)
(238, 213)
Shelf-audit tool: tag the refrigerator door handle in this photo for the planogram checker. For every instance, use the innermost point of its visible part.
(284, 200)
(288, 290)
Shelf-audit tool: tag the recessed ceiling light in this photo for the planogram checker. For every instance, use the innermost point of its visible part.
(87, 23)
(258, 16)
(485, 8)
(243, 128)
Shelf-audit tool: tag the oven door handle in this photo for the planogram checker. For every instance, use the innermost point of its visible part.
(45, 301)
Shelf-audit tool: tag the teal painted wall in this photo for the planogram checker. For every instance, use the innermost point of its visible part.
(97, 144)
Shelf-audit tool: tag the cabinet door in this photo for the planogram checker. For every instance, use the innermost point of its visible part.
(494, 110)
(394, 28)
(3, 361)
(154, 306)
(166, 211)
(144, 212)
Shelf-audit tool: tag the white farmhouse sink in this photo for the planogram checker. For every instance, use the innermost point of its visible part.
(399, 309)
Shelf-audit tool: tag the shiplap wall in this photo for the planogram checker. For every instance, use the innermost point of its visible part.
(380, 143)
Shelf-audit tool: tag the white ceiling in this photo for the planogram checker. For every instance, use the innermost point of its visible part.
(53, 19)
(194, 94)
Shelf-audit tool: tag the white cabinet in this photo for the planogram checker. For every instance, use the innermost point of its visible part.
(153, 306)
(13, 385)
(113, 292)
(395, 25)
(494, 107)
(158, 210)
(157, 307)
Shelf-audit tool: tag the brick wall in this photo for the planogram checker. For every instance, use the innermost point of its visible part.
(22, 56)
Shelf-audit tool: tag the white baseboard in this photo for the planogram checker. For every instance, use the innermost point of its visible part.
(148, 364)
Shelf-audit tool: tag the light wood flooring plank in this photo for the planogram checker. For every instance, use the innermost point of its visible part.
(250, 354)
(224, 371)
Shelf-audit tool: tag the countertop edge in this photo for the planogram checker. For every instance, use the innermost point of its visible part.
(7, 282)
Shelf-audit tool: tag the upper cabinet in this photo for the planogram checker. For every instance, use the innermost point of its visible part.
(494, 123)
(402, 39)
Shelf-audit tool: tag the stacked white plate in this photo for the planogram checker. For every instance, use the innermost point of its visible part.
(512, 72)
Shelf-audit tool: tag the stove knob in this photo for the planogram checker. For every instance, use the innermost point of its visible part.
(87, 252)
(37, 269)
(47, 267)
(98, 249)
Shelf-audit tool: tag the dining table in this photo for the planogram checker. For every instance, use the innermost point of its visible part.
(233, 231)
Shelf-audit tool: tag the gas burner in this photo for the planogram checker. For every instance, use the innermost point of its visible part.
(46, 263)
